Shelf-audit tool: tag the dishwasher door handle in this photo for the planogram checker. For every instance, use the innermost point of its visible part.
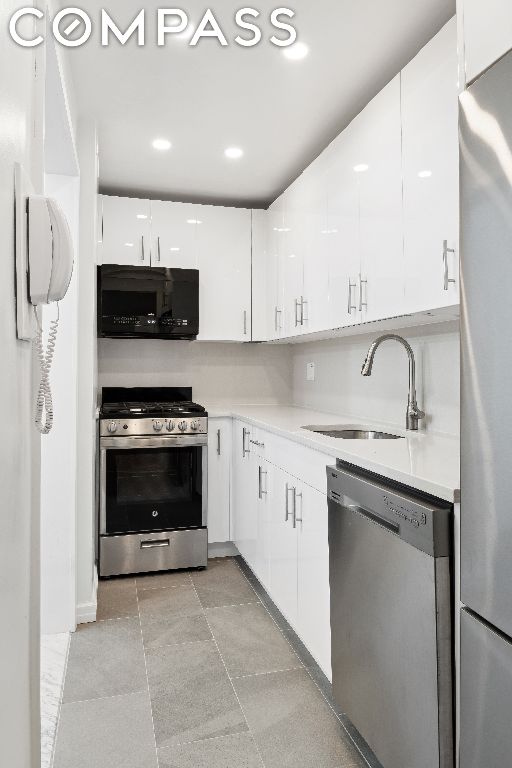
(382, 521)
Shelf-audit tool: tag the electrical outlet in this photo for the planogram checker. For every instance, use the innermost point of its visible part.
(310, 372)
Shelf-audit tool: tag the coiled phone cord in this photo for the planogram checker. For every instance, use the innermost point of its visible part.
(44, 403)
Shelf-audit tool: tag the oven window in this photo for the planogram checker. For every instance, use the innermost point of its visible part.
(152, 489)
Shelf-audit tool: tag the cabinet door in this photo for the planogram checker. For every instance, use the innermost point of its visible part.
(431, 173)
(174, 232)
(265, 488)
(283, 546)
(126, 228)
(219, 471)
(224, 247)
(313, 623)
(245, 494)
(259, 275)
(315, 312)
(343, 232)
(379, 176)
(293, 243)
(274, 270)
(487, 33)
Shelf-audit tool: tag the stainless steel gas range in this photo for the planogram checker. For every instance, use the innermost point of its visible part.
(153, 481)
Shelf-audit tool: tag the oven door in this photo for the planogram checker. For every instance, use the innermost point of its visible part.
(151, 484)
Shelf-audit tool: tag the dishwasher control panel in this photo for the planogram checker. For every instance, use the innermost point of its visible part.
(415, 518)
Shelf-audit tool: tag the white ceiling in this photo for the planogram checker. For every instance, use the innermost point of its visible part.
(204, 99)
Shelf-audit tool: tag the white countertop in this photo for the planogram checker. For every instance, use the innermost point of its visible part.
(425, 461)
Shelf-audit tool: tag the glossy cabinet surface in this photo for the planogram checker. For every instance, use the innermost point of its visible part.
(224, 259)
(125, 227)
(280, 529)
(430, 174)
(174, 235)
(487, 30)
(219, 479)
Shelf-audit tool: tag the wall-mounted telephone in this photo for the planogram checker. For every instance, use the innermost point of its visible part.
(49, 271)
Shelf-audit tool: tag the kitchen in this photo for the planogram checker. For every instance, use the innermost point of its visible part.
(252, 517)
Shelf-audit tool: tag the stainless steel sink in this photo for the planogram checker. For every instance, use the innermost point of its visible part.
(352, 433)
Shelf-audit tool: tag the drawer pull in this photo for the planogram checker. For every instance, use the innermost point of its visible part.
(155, 543)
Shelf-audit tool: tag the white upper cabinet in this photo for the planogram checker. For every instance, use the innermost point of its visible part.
(315, 307)
(342, 233)
(224, 257)
(381, 287)
(487, 30)
(430, 174)
(260, 264)
(174, 235)
(293, 243)
(125, 227)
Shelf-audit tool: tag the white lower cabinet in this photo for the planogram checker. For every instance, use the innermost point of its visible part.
(280, 529)
(219, 480)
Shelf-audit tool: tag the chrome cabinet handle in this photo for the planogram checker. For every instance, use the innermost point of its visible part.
(303, 303)
(143, 254)
(361, 302)
(159, 255)
(261, 492)
(245, 435)
(245, 322)
(447, 278)
(278, 313)
(295, 497)
(287, 506)
(218, 442)
(350, 306)
(155, 543)
(297, 305)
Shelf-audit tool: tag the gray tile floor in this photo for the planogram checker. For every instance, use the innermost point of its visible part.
(197, 670)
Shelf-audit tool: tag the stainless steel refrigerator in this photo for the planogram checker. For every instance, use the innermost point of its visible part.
(486, 499)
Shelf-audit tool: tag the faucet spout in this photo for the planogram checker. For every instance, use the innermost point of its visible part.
(414, 414)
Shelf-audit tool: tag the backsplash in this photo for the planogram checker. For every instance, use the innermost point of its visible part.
(217, 372)
(340, 388)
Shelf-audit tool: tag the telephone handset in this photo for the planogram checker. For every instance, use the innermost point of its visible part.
(50, 267)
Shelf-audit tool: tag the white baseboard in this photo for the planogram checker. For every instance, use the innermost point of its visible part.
(86, 612)
(222, 549)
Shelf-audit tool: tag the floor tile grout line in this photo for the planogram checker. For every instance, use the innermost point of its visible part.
(229, 605)
(208, 738)
(103, 698)
(232, 685)
(157, 761)
(61, 702)
(309, 674)
(269, 672)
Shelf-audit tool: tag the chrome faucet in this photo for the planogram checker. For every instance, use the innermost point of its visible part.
(414, 414)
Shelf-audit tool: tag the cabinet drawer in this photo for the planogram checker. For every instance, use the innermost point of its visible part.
(304, 463)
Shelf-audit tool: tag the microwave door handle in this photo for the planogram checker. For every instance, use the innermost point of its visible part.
(142, 253)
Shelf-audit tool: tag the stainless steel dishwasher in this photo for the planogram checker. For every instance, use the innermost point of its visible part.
(391, 617)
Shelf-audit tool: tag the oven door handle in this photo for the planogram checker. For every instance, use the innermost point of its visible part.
(178, 441)
(155, 543)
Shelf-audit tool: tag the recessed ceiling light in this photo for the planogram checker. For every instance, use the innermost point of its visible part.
(234, 152)
(129, 245)
(361, 168)
(425, 174)
(162, 144)
(329, 231)
(292, 256)
(296, 51)
(194, 221)
(141, 216)
(282, 229)
(174, 249)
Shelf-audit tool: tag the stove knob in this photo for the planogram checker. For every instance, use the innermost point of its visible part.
(170, 426)
(194, 425)
(112, 426)
(158, 426)
(182, 426)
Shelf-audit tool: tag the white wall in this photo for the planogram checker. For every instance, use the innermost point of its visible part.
(231, 373)
(20, 141)
(87, 364)
(58, 449)
(340, 388)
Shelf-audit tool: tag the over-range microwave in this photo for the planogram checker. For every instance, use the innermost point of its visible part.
(147, 302)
